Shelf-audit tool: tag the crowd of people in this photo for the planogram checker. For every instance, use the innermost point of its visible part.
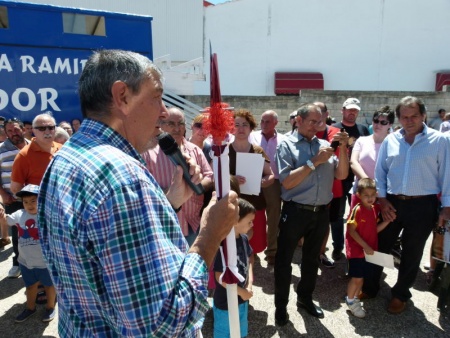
(128, 249)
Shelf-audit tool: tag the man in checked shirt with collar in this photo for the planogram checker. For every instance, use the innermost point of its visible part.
(111, 238)
(412, 168)
(162, 169)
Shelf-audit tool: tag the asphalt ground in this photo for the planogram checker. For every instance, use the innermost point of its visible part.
(421, 318)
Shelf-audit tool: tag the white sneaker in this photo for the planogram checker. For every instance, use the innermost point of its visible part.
(356, 308)
(14, 272)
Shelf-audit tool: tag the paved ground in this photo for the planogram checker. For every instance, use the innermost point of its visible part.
(421, 319)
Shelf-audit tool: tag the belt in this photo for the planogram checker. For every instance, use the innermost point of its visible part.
(313, 208)
(406, 197)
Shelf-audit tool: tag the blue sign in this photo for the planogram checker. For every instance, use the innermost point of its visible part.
(40, 64)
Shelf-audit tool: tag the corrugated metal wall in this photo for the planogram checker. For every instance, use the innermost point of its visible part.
(177, 24)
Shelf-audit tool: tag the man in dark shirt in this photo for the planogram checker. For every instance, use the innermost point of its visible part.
(350, 111)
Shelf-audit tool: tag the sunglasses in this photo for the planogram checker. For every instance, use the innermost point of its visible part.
(198, 125)
(383, 123)
(45, 128)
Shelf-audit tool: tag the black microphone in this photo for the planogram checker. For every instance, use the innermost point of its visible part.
(170, 148)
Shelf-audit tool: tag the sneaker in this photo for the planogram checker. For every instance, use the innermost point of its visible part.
(14, 272)
(356, 308)
(326, 262)
(27, 313)
(49, 315)
(336, 255)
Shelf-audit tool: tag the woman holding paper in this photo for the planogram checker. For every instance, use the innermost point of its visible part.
(244, 123)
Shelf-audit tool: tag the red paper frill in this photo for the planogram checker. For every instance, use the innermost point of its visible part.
(219, 123)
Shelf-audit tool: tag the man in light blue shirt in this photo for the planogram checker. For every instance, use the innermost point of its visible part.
(409, 173)
(307, 167)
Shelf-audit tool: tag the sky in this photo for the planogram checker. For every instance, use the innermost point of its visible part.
(215, 2)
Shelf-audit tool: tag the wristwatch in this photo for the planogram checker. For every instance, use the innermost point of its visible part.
(311, 165)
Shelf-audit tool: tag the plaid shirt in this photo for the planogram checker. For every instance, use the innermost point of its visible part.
(113, 244)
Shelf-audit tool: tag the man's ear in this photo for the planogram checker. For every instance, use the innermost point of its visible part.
(120, 96)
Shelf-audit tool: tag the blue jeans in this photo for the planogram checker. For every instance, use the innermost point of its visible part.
(221, 322)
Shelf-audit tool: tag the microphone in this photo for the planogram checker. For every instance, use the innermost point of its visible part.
(170, 148)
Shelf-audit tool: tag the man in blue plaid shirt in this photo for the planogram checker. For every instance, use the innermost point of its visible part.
(111, 237)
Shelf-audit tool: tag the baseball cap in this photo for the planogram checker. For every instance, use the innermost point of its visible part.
(28, 189)
(351, 103)
(293, 115)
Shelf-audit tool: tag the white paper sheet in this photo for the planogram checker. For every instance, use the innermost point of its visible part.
(382, 259)
(251, 167)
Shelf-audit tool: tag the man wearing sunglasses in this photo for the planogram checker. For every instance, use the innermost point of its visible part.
(32, 161)
(350, 111)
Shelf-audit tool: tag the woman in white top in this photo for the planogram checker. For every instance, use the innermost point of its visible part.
(365, 150)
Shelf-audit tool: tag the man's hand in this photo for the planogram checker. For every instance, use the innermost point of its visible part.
(322, 156)
(179, 191)
(387, 210)
(342, 138)
(217, 220)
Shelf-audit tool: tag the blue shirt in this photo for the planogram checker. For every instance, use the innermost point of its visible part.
(416, 169)
(315, 189)
(113, 244)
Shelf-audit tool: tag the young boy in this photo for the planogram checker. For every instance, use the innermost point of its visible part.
(31, 260)
(245, 266)
(361, 237)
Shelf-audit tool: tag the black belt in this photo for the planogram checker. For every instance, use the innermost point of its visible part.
(406, 197)
(313, 208)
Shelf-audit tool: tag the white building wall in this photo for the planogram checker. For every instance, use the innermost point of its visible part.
(373, 45)
(388, 45)
(177, 24)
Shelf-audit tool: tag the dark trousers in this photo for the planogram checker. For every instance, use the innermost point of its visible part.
(273, 209)
(294, 224)
(337, 225)
(416, 217)
(9, 209)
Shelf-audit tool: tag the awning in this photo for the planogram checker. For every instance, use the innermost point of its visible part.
(442, 79)
(292, 83)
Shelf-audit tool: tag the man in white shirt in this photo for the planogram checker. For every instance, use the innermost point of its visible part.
(268, 138)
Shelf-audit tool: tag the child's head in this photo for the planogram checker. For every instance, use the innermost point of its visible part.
(29, 195)
(246, 216)
(367, 191)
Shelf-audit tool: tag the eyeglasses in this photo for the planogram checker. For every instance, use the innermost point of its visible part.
(244, 125)
(314, 122)
(198, 125)
(383, 123)
(45, 128)
(172, 124)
